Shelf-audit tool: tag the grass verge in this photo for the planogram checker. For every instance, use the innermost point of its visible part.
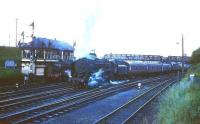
(8, 73)
(181, 103)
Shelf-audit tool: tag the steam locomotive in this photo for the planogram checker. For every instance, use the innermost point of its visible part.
(83, 68)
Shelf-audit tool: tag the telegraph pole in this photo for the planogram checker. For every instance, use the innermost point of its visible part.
(9, 41)
(16, 31)
(182, 55)
(33, 27)
(22, 34)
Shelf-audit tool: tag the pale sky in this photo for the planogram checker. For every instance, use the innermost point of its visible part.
(108, 26)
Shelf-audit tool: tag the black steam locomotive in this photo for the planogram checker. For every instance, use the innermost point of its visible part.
(83, 68)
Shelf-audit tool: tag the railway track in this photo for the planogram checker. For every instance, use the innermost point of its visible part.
(125, 113)
(37, 98)
(131, 118)
(21, 92)
(33, 97)
(55, 108)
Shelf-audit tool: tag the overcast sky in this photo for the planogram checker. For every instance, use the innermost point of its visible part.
(108, 26)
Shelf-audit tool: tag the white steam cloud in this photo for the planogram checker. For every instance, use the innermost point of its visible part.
(96, 78)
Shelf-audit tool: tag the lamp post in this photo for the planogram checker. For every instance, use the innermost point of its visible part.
(182, 55)
(16, 31)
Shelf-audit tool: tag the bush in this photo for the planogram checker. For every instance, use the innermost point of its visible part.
(195, 56)
(195, 69)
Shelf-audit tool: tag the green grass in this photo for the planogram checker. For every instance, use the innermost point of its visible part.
(9, 53)
(181, 103)
(195, 69)
(7, 73)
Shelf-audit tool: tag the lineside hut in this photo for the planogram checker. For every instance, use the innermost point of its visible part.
(44, 57)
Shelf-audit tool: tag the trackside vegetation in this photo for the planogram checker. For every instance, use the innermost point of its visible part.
(9, 53)
(195, 59)
(9, 75)
(181, 103)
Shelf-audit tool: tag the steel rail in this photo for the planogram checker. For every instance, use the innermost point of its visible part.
(70, 100)
(107, 118)
(127, 121)
(35, 97)
(6, 95)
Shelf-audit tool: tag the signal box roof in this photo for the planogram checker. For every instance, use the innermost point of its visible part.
(44, 43)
